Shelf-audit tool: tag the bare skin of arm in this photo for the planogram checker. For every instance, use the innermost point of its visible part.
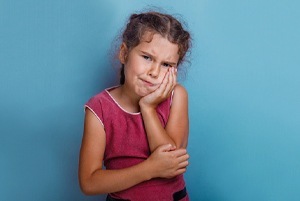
(165, 162)
(176, 130)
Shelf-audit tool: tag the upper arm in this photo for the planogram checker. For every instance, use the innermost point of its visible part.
(178, 122)
(92, 146)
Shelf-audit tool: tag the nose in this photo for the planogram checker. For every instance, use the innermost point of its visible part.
(154, 70)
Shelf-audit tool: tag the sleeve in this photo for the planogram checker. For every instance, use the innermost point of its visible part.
(95, 106)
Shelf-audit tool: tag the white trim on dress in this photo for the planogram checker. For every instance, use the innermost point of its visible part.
(86, 106)
(132, 113)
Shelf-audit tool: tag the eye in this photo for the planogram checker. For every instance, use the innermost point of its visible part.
(146, 57)
(167, 65)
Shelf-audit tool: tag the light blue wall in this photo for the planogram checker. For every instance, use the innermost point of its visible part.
(244, 91)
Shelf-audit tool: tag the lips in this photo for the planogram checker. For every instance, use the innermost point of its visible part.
(148, 83)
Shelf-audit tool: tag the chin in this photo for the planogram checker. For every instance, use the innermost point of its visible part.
(144, 92)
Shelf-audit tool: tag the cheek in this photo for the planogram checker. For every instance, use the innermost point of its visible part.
(162, 75)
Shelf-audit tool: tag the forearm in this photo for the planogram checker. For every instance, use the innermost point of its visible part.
(108, 181)
(156, 133)
(164, 162)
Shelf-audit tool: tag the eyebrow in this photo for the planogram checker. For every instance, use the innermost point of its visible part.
(169, 62)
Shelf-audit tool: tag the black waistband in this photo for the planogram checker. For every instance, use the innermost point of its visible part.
(176, 196)
(109, 198)
(179, 195)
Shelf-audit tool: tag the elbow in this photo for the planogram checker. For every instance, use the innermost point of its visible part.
(89, 185)
(86, 187)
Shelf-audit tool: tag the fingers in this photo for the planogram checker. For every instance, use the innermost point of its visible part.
(169, 82)
(181, 158)
(168, 161)
(180, 171)
(179, 152)
(183, 161)
(163, 87)
(166, 148)
(172, 81)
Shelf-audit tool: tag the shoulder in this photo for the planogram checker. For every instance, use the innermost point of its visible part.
(98, 95)
(179, 98)
(95, 106)
(180, 92)
(98, 98)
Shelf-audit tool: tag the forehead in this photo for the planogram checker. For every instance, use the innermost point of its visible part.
(158, 45)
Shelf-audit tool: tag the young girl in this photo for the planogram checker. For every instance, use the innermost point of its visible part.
(139, 129)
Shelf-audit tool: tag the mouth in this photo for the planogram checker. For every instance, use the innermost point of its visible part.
(150, 84)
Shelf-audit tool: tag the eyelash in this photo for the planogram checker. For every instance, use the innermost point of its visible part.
(167, 65)
(149, 58)
(146, 57)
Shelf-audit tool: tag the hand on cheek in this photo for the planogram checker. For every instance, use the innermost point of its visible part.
(168, 83)
(162, 92)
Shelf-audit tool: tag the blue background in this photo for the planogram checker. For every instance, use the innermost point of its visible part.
(244, 94)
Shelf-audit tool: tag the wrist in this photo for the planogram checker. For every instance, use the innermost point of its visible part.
(148, 173)
(146, 107)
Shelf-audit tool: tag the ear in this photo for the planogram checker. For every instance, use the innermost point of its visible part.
(123, 53)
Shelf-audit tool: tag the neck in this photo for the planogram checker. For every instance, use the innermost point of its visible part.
(129, 99)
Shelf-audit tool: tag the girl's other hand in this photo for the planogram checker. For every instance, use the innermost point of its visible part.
(162, 92)
(167, 161)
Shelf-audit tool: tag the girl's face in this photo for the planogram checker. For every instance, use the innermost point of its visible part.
(147, 63)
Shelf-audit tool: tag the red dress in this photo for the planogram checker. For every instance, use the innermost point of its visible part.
(127, 145)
